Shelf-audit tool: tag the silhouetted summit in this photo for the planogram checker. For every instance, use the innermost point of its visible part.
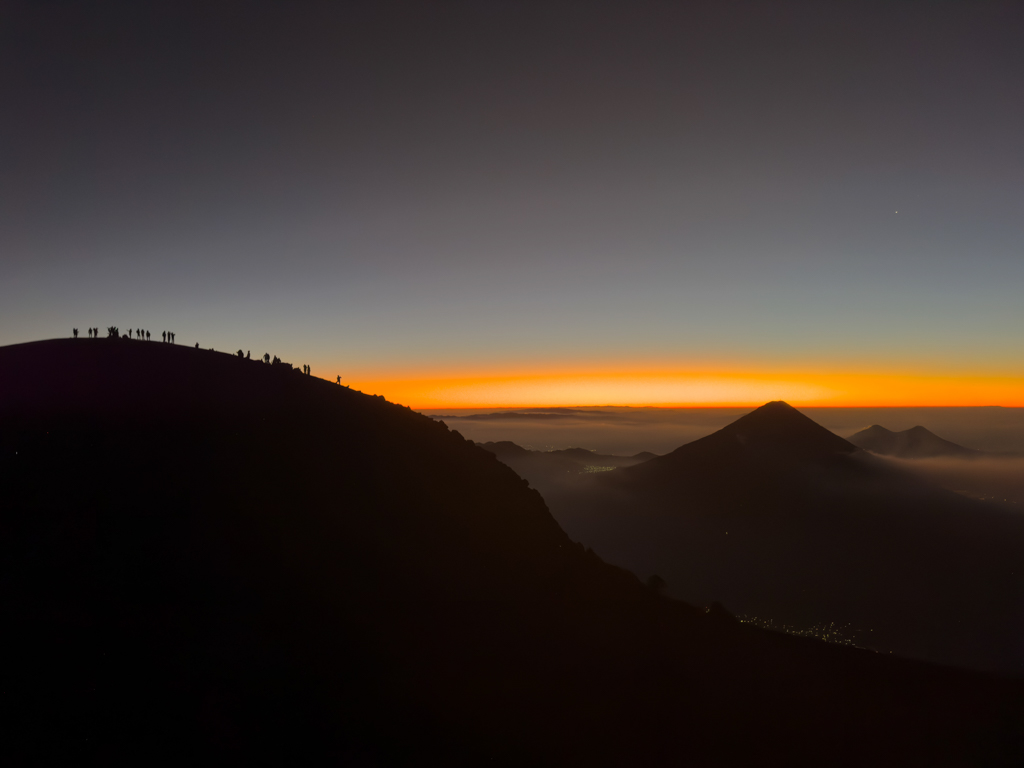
(914, 443)
(775, 427)
(778, 518)
(773, 439)
(211, 559)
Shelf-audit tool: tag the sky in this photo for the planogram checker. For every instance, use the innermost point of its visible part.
(527, 204)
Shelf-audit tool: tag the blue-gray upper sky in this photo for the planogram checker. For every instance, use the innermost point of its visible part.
(394, 186)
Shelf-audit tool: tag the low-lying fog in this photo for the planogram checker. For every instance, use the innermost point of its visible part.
(991, 478)
(626, 431)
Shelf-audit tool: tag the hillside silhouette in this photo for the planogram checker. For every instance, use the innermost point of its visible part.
(544, 469)
(913, 443)
(782, 520)
(210, 557)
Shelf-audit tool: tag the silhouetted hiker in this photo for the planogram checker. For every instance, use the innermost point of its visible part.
(197, 345)
(164, 334)
(239, 353)
(339, 379)
(147, 335)
(172, 338)
(247, 355)
(266, 358)
(75, 332)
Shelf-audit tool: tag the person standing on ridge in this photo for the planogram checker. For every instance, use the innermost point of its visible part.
(74, 332)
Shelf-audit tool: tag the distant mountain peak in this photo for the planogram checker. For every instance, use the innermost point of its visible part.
(779, 425)
(772, 435)
(914, 443)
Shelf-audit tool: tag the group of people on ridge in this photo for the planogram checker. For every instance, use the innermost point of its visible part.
(168, 337)
(114, 332)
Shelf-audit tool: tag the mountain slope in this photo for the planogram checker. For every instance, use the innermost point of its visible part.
(913, 443)
(548, 471)
(780, 519)
(222, 560)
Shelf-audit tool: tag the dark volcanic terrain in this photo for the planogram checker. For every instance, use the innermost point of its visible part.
(211, 559)
(784, 521)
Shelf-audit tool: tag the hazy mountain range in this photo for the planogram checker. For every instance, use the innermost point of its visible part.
(913, 443)
(783, 520)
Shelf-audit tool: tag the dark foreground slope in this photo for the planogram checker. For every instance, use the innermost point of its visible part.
(209, 559)
(780, 519)
(913, 443)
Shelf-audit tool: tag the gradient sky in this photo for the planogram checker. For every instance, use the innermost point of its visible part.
(531, 203)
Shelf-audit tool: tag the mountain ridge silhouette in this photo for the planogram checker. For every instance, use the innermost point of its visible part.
(777, 517)
(215, 557)
(914, 443)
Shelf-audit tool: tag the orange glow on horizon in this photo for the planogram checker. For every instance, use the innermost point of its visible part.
(689, 388)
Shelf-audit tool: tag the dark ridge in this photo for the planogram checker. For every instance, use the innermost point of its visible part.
(207, 558)
(505, 448)
(914, 443)
(778, 518)
(645, 456)
(540, 468)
